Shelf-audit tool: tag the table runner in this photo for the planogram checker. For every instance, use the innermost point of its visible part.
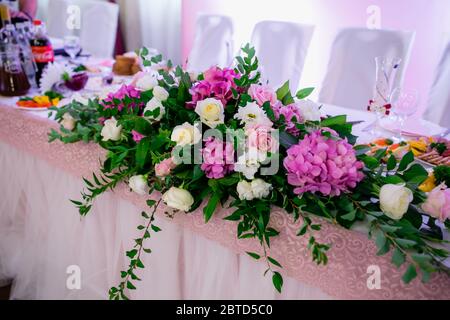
(352, 253)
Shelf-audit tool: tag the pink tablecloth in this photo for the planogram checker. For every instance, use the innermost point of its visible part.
(352, 253)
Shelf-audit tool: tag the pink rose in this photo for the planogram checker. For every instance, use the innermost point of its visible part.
(165, 167)
(260, 138)
(438, 203)
(262, 94)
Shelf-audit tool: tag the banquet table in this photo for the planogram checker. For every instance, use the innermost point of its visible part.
(43, 239)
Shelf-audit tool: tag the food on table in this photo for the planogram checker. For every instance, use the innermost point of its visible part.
(126, 65)
(77, 82)
(428, 149)
(419, 147)
(429, 184)
(436, 151)
(435, 158)
(396, 149)
(50, 99)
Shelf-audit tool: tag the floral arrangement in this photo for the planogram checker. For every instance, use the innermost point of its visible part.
(222, 139)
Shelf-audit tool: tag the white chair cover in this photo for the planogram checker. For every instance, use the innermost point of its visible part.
(438, 109)
(281, 48)
(351, 73)
(99, 21)
(213, 44)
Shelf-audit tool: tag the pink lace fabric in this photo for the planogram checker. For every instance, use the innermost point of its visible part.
(345, 276)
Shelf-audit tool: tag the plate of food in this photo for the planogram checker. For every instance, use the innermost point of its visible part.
(39, 102)
(436, 152)
(430, 151)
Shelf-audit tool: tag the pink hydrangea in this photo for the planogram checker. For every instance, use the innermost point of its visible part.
(321, 164)
(124, 91)
(292, 115)
(262, 94)
(218, 158)
(137, 137)
(216, 83)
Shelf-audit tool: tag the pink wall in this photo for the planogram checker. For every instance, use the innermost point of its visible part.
(429, 18)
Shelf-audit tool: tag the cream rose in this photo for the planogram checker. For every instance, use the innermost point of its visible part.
(395, 200)
(309, 110)
(260, 188)
(139, 185)
(211, 112)
(147, 82)
(111, 131)
(68, 122)
(244, 190)
(257, 189)
(160, 93)
(186, 134)
(179, 199)
(247, 165)
(152, 105)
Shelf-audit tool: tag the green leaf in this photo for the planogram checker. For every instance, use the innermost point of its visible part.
(283, 91)
(406, 161)
(139, 264)
(349, 216)
(274, 262)
(277, 280)
(394, 180)
(332, 121)
(380, 240)
(304, 93)
(130, 286)
(303, 230)
(208, 211)
(398, 258)
(155, 228)
(392, 163)
(132, 253)
(142, 152)
(416, 174)
(151, 203)
(410, 274)
(254, 255)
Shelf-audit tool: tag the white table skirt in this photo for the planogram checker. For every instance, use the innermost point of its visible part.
(41, 235)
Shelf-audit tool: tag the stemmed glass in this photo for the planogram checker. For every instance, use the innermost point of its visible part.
(72, 46)
(405, 103)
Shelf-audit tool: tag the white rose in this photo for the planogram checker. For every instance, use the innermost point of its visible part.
(244, 190)
(260, 188)
(253, 114)
(186, 134)
(179, 199)
(309, 109)
(395, 200)
(211, 112)
(68, 122)
(247, 165)
(147, 82)
(139, 185)
(152, 105)
(160, 93)
(111, 131)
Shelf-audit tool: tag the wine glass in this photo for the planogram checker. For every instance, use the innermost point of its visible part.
(72, 46)
(405, 103)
